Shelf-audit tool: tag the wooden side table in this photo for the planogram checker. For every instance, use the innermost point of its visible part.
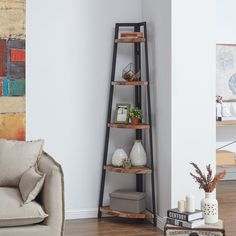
(205, 230)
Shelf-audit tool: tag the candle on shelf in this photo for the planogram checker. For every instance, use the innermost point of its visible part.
(181, 206)
(190, 203)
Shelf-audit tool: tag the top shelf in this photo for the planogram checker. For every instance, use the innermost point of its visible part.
(130, 40)
(126, 83)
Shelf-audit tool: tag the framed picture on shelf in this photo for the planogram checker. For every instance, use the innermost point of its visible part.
(122, 113)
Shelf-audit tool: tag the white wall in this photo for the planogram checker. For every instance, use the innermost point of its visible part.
(69, 52)
(183, 73)
(157, 13)
(225, 11)
(68, 72)
(193, 92)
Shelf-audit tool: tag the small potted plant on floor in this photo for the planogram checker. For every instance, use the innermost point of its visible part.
(135, 115)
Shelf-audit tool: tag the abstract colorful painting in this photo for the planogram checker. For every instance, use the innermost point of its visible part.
(12, 69)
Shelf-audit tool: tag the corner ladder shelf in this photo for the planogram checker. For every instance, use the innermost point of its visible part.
(138, 129)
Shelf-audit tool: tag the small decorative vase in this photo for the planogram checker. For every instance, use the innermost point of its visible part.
(138, 155)
(209, 206)
(134, 120)
(118, 157)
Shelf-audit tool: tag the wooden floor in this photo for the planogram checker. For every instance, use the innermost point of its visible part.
(226, 195)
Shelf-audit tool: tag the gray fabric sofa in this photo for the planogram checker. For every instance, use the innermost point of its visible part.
(51, 198)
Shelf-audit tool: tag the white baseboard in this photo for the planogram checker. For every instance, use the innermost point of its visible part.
(81, 213)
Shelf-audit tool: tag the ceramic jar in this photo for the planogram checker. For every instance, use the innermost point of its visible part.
(209, 206)
(118, 157)
(138, 155)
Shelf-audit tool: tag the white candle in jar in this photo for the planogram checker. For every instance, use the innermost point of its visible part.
(190, 203)
(181, 206)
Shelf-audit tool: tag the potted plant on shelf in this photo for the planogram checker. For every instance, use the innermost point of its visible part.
(135, 115)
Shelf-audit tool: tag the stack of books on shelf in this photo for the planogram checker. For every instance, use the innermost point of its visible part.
(185, 219)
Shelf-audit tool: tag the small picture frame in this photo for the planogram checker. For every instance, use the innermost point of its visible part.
(122, 113)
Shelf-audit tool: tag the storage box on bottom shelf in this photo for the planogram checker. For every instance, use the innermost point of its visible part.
(133, 202)
(206, 230)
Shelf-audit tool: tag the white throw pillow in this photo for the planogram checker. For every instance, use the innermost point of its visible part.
(31, 183)
(15, 158)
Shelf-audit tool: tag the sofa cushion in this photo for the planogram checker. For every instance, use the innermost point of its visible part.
(31, 183)
(14, 213)
(15, 158)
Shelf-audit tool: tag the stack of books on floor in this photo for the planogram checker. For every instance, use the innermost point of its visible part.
(185, 219)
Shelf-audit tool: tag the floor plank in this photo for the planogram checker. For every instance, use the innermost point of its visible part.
(109, 226)
(226, 195)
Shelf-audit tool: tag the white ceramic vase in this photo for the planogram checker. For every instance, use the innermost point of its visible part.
(209, 206)
(118, 157)
(138, 155)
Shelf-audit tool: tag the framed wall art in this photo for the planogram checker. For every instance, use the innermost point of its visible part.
(12, 69)
(226, 71)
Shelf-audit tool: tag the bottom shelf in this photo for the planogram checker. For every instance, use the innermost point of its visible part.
(144, 215)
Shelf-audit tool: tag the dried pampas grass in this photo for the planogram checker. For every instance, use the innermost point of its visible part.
(207, 183)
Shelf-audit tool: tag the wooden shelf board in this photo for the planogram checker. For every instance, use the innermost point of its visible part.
(227, 166)
(229, 100)
(132, 170)
(226, 123)
(129, 126)
(133, 83)
(130, 40)
(145, 215)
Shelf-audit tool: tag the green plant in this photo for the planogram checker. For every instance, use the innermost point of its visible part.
(206, 182)
(126, 163)
(136, 112)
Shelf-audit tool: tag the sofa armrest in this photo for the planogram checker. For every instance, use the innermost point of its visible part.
(52, 194)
